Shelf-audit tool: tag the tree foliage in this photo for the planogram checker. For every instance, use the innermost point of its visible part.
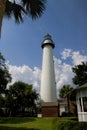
(33, 8)
(5, 77)
(65, 92)
(18, 9)
(80, 72)
(21, 97)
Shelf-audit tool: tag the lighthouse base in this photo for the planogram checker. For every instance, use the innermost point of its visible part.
(50, 109)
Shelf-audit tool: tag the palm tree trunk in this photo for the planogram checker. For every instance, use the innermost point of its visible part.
(2, 11)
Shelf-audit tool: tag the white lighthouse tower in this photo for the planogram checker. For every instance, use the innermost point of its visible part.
(48, 85)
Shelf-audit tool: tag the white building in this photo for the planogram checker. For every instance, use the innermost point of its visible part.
(48, 85)
(81, 99)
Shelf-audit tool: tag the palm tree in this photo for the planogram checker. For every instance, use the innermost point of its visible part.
(10, 8)
(2, 10)
(65, 92)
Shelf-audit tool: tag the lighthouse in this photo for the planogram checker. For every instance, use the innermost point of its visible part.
(48, 84)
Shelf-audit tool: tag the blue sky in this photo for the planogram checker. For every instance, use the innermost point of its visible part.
(64, 20)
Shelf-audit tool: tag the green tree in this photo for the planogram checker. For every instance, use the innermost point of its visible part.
(5, 77)
(21, 96)
(32, 8)
(10, 104)
(1, 105)
(80, 72)
(65, 92)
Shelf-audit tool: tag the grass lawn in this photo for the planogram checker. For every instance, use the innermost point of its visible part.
(27, 123)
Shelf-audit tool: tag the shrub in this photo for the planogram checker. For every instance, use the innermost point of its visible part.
(81, 126)
(67, 114)
(68, 124)
(1, 113)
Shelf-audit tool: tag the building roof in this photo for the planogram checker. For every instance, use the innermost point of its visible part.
(82, 86)
(62, 102)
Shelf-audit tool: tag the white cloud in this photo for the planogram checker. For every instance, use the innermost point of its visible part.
(26, 74)
(77, 58)
(63, 73)
(66, 53)
(17, 1)
(63, 70)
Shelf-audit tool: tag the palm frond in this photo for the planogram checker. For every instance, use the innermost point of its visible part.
(16, 10)
(8, 9)
(34, 8)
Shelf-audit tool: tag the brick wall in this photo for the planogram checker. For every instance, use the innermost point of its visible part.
(50, 110)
